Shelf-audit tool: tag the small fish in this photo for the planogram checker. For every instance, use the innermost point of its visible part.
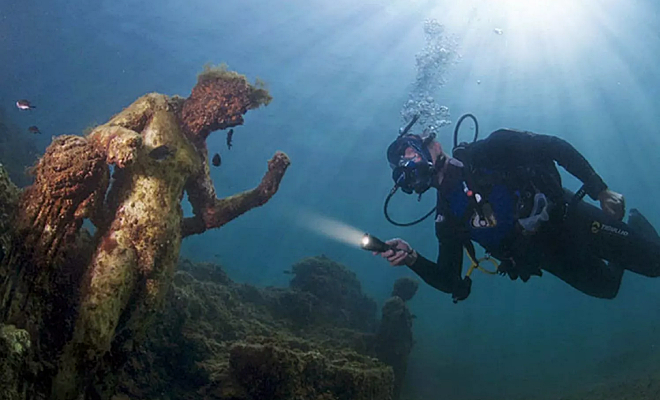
(34, 129)
(230, 135)
(216, 161)
(24, 104)
(161, 153)
(288, 272)
(498, 31)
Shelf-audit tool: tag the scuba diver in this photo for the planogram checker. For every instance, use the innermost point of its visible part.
(505, 193)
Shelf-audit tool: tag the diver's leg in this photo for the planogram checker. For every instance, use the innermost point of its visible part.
(586, 273)
(634, 246)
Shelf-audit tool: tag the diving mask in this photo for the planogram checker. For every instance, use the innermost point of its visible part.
(411, 174)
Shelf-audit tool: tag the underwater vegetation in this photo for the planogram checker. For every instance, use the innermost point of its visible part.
(78, 296)
(218, 339)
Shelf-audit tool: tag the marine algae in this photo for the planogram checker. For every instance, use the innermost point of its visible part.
(217, 339)
(14, 351)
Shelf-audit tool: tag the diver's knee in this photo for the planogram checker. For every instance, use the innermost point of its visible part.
(609, 295)
(606, 291)
(652, 272)
(609, 291)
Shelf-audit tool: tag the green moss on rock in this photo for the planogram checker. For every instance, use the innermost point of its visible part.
(222, 340)
(273, 371)
(14, 352)
(341, 301)
(258, 93)
(8, 203)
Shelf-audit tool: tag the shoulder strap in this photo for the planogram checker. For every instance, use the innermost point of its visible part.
(462, 152)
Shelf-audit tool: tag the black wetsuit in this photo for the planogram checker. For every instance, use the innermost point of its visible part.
(579, 243)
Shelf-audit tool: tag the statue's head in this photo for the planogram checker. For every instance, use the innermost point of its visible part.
(219, 100)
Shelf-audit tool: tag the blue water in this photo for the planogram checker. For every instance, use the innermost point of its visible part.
(339, 73)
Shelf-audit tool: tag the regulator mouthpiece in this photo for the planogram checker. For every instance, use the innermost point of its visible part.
(372, 243)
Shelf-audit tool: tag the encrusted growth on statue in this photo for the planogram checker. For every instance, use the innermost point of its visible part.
(127, 267)
(71, 180)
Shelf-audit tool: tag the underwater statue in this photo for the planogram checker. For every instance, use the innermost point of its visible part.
(158, 148)
(394, 339)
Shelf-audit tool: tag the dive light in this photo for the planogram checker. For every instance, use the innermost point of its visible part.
(372, 243)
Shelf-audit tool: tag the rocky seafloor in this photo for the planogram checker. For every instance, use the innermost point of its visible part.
(218, 339)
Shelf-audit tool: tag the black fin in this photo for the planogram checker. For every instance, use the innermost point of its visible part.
(640, 224)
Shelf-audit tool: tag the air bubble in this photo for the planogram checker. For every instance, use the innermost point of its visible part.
(432, 64)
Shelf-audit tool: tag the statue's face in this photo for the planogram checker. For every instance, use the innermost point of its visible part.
(213, 105)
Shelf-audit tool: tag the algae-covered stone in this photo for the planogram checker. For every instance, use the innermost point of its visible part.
(220, 340)
(279, 371)
(8, 202)
(394, 340)
(14, 351)
(341, 300)
(405, 288)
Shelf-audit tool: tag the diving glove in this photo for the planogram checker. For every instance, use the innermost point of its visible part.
(509, 267)
(462, 290)
(612, 203)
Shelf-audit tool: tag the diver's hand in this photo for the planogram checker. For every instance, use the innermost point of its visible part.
(612, 203)
(508, 267)
(462, 290)
(404, 255)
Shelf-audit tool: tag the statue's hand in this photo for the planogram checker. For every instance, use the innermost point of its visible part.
(276, 168)
(123, 148)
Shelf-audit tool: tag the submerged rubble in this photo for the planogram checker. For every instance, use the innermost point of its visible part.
(14, 353)
(222, 340)
(340, 301)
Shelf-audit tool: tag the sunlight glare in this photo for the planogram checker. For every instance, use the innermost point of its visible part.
(540, 14)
